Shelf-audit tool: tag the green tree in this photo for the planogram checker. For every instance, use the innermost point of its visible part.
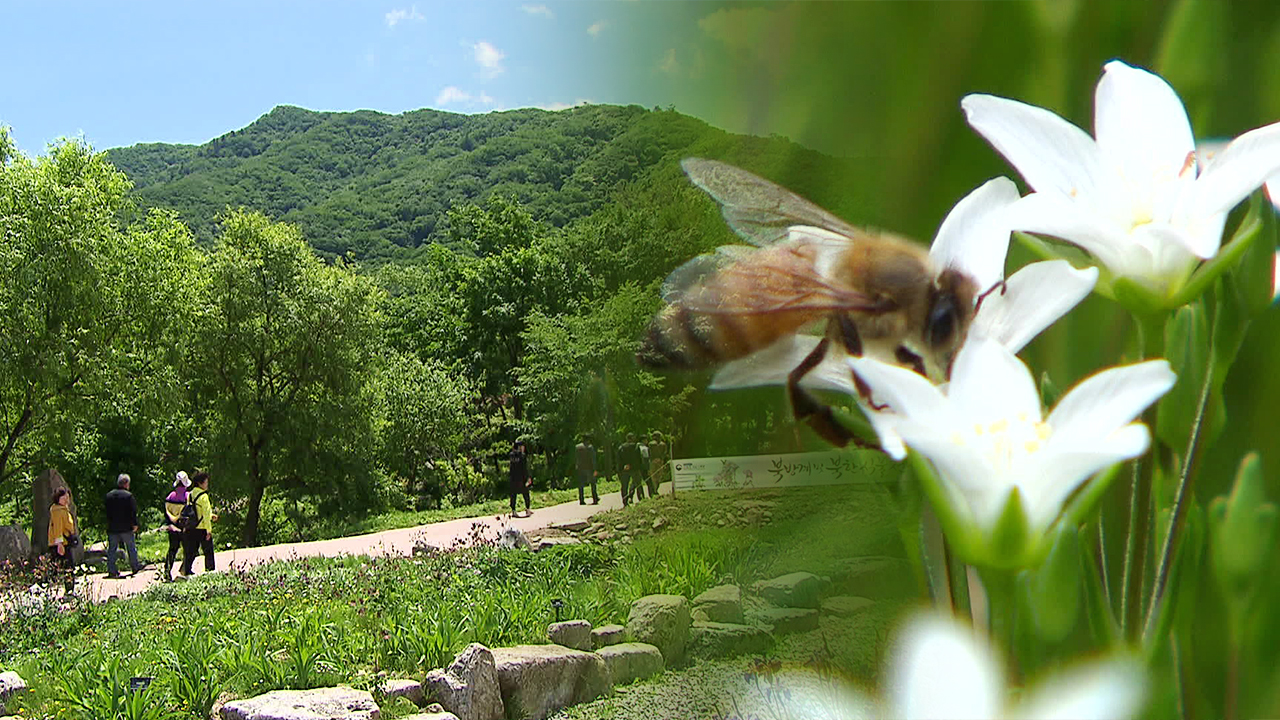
(426, 412)
(90, 306)
(285, 346)
(579, 374)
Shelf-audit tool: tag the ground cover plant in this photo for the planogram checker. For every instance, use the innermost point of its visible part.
(312, 622)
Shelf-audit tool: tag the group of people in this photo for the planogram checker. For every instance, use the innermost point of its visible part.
(639, 466)
(188, 515)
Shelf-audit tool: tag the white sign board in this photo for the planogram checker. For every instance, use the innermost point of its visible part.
(789, 470)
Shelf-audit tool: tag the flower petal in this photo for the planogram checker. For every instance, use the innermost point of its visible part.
(1033, 299)
(975, 490)
(1141, 127)
(1242, 167)
(940, 671)
(1075, 223)
(1100, 691)
(1048, 477)
(989, 383)
(974, 237)
(1109, 400)
(1051, 154)
(908, 393)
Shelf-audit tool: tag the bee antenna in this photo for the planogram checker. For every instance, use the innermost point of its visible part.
(1001, 286)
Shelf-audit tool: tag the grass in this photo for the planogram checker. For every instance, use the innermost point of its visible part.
(319, 621)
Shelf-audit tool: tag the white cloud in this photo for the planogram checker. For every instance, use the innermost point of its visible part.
(453, 95)
(489, 58)
(555, 106)
(597, 27)
(542, 10)
(397, 16)
(669, 64)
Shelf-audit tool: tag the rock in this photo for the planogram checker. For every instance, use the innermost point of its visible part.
(659, 523)
(433, 712)
(844, 605)
(785, 621)
(607, 635)
(629, 662)
(604, 535)
(719, 640)
(620, 527)
(469, 687)
(574, 634)
(514, 539)
(11, 684)
(875, 577)
(795, 590)
(537, 680)
(722, 604)
(574, 526)
(661, 620)
(549, 542)
(336, 703)
(410, 690)
(15, 546)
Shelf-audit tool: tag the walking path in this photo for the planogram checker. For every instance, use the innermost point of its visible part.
(388, 542)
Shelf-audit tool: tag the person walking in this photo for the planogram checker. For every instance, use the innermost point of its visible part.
(122, 526)
(585, 462)
(630, 459)
(659, 455)
(199, 536)
(62, 534)
(518, 471)
(172, 512)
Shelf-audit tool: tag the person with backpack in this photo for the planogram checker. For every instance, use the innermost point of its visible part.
(173, 505)
(197, 524)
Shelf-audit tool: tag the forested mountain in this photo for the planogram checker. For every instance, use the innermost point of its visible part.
(369, 184)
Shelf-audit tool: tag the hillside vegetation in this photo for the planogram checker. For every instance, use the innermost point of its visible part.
(370, 185)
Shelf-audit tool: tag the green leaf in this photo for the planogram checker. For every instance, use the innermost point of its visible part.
(1254, 277)
(1010, 540)
(1053, 590)
(1242, 526)
(1187, 350)
(1049, 391)
(1137, 299)
(1102, 623)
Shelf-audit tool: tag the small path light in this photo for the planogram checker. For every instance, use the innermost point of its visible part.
(557, 603)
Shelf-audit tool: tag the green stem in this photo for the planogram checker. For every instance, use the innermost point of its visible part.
(1002, 605)
(1150, 343)
(1180, 504)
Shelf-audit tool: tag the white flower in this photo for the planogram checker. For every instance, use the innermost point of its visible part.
(973, 238)
(986, 435)
(1138, 198)
(941, 669)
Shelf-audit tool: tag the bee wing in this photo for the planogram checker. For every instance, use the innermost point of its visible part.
(789, 276)
(758, 210)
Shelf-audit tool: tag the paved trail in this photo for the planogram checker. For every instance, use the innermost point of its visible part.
(387, 542)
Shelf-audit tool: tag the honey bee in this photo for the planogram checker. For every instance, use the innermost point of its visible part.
(870, 293)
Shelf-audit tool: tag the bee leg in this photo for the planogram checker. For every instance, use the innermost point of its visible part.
(807, 408)
(819, 416)
(1001, 286)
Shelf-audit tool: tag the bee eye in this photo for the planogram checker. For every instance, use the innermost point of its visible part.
(942, 322)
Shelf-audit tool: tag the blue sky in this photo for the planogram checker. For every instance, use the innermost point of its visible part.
(123, 73)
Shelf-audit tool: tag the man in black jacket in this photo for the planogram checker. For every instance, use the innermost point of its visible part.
(122, 523)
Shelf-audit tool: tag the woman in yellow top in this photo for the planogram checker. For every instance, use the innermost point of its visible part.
(199, 538)
(61, 527)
